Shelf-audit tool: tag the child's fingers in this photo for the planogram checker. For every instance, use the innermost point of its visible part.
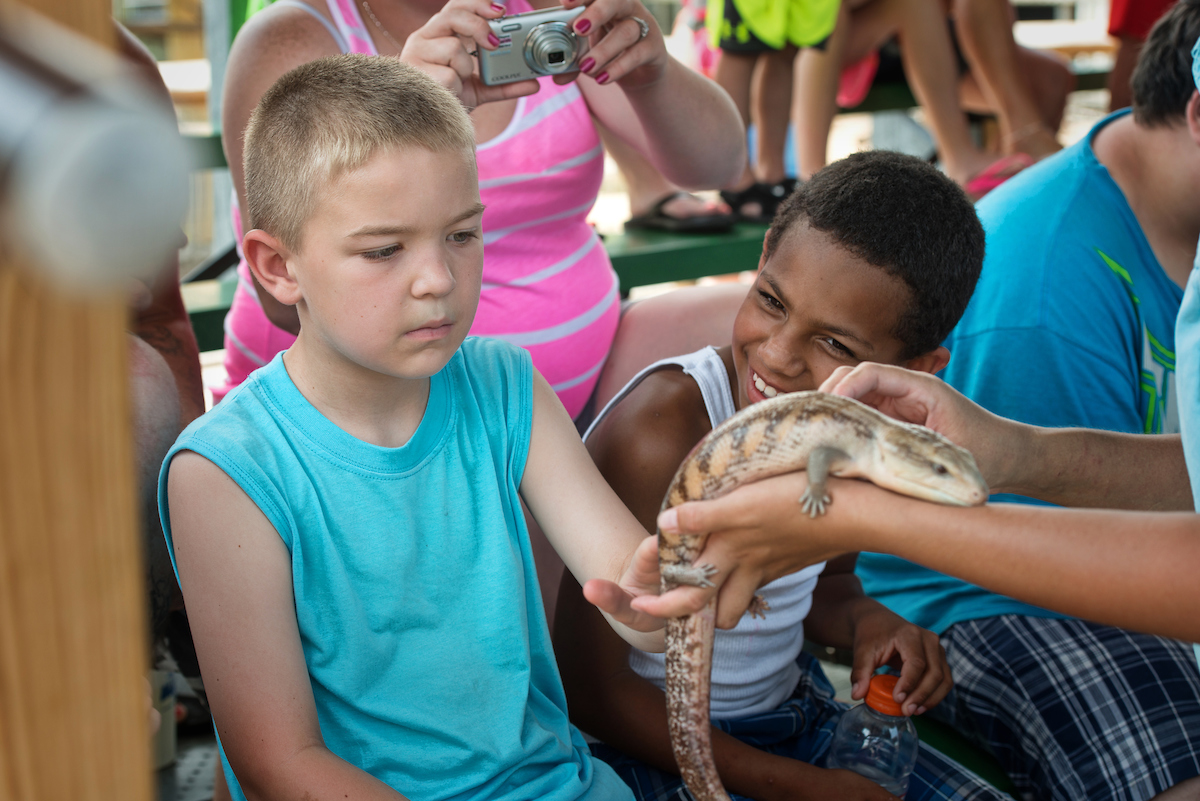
(866, 661)
(925, 676)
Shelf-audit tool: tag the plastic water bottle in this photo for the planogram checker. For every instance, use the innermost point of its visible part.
(875, 740)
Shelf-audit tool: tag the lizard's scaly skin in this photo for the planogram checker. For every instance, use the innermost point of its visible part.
(770, 438)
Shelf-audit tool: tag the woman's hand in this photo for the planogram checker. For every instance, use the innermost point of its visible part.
(882, 637)
(440, 49)
(617, 49)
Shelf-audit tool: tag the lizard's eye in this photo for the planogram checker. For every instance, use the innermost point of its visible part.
(940, 469)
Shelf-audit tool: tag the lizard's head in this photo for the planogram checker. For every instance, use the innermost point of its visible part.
(924, 464)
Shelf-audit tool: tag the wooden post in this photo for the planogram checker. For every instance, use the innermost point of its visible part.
(73, 720)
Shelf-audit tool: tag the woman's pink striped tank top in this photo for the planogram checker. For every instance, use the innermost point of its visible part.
(548, 285)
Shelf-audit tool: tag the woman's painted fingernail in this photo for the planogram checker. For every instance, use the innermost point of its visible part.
(497, 7)
(493, 40)
(587, 64)
(583, 26)
(602, 77)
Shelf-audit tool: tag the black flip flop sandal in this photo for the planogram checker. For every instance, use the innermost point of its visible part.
(766, 196)
(658, 220)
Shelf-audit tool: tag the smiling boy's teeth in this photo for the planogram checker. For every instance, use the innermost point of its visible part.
(759, 384)
(770, 392)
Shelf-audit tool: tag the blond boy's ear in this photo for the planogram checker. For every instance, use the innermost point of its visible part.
(268, 260)
(930, 362)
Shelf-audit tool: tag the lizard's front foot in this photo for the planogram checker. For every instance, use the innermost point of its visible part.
(811, 504)
(758, 607)
(691, 575)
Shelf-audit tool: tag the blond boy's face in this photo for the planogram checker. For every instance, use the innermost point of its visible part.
(390, 262)
(814, 307)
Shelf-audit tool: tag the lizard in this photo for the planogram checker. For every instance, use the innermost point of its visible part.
(827, 435)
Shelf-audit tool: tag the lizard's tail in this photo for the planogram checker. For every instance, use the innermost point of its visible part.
(687, 682)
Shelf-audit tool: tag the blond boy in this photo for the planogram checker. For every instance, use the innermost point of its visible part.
(346, 526)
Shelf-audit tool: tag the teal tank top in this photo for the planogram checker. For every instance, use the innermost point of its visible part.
(416, 597)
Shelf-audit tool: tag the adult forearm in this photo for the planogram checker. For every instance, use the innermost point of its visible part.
(693, 132)
(1128, 569)
(1103, 469)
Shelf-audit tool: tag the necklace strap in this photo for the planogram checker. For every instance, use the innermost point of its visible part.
(371, 14)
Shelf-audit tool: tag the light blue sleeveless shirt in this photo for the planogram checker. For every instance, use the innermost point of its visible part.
(416, 597)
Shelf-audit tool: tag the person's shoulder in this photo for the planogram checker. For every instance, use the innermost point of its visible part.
(654, 427)
(240, 419)
(287, 31)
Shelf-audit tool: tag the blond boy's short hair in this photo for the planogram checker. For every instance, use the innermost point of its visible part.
(331, 116)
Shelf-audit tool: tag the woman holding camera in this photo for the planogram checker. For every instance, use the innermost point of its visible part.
(547, 284)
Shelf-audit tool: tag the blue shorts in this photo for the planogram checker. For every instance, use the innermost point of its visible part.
(802, 728)
(1075, 710)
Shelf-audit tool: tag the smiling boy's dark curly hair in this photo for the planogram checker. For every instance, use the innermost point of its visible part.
(901, 215)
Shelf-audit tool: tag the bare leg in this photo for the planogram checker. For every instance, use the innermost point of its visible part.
(984, 30)
(772, 98)
(1118, 80)
(1050, 79)
(931, 70)
(814, 101)
(929, 65)
(735, 71)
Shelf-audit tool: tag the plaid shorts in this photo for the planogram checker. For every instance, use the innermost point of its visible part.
(802, 728)
(1075, 710)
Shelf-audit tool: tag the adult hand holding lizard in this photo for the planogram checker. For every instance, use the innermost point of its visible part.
(1085, 563)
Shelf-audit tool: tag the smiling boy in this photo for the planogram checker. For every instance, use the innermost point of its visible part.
(346, 526)
(874, 259)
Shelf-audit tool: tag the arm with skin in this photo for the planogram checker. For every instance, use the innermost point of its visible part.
(236, 577)
(1067, 466)
(685, 124)
(844, 617)
(1135, 570)
(599, 540)
(271, 43)
(637, 448)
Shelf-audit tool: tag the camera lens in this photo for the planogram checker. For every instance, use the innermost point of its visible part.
(550, 48)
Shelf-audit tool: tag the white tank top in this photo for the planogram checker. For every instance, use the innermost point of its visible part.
(754, 664)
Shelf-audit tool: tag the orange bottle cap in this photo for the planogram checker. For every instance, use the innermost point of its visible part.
(879, 696)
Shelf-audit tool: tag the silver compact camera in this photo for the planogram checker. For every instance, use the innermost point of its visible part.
(533, 44)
